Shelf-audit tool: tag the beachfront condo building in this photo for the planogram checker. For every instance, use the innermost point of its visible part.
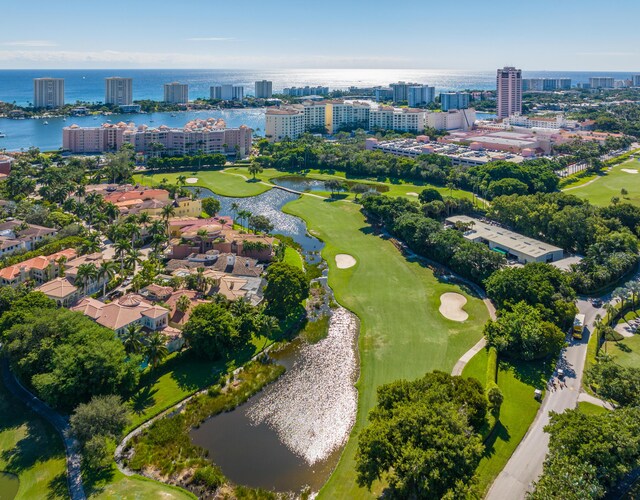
(48, 92)
(284, 123)
(401, 119)
(454, 100)
(305, 91)
(601, 82)
(264, 89)
(635, 80)
(545, 84)
(509, 90)
(176, 93)
(208, 136)
(227, 92)
(118, 91)
(420, 95)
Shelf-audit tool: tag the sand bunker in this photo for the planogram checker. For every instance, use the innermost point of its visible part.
(192, 180)
(413, 194)
(451, 306)
(345, 261)
(630, 170)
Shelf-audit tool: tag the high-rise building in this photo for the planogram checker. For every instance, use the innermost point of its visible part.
(635, 80)
(227, 92)
(509, 88)
(48, 92)
(264, 89)
(545, 84)
(419, 95)
(283, 123)
(383, 94)
(305, 91)
(454, 100)
(176, 93)
(118, 91)
(401, 90)
(601, 82)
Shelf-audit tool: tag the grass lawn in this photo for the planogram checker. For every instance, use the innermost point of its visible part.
(135, 488)
(591, 409)
(402, 333)
(626, 352)
(31, 449)
(293, 258)
(224, 184)
(608, 185)
(517, 382)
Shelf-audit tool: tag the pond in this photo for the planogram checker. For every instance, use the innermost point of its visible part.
(9, 484)
(304, 184)
(270, 205)
(291, 434)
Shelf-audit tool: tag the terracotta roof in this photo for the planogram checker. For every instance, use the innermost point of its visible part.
(120, 313)
(58, 288)
(40, 263)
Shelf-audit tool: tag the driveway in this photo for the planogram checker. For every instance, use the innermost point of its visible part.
(525, 465)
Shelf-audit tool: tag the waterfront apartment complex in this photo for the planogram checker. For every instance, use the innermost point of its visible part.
(118, 91)
(206, 136)
(176, 93)
(454, 100)
(227, 92)
(509, 90)
(48, 92)
(332, 116)
(263, 89)
(635, 81)
(601, 82)
(545, 84)
(305, 91)
(420, 95)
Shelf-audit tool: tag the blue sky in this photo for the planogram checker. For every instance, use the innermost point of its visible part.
(460, 34)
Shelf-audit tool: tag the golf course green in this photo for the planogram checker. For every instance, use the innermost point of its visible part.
(402, 333)
(603, 188)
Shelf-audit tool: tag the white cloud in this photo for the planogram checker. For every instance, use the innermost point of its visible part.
(31, 43)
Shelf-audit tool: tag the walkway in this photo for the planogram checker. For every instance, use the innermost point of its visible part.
(588, 398)
(525, 465)
(61, 424)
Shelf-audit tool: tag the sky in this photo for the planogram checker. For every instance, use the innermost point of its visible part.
(570, 35)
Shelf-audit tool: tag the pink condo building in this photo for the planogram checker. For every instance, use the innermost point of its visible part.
(207, 136)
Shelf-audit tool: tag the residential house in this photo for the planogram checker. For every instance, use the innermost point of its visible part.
(16, 235)
(38, 269)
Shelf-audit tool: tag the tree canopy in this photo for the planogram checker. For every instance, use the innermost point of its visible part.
(287, 287)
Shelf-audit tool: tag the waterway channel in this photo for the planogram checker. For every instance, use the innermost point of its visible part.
(270, 205)
(289, 436)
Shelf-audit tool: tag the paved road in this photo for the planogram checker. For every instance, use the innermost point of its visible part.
(74, 475)
(525, 465)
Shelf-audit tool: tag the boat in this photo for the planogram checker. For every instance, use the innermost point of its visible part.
(45, 123)
(173, 115)
(2, 134)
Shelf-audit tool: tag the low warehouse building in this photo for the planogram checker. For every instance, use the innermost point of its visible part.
(512, 245)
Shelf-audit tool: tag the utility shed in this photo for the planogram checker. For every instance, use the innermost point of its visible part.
(512, 244)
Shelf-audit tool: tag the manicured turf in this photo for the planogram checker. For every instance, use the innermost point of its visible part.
(608, 185)
(517, 383)
(402, 333)
(591, 409)
(137, 488)
(31, 449)
(293, 258)
(626, 352)
(225, 184)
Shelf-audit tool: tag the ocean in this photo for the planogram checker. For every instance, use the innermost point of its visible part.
(88, 86)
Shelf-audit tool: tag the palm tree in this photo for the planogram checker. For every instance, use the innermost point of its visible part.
(634, 290)
(621, 294)
(202, 234)
(132, 339)
(181, 180)
(133, 258)
(111, 211)
(244, 215)
(85, 274)
(183, 304)
(122, 248)
(167, 212)
(156, 349)
(133, 230)
(106, 272)
(235, 208)
(91, 243)
(144, 218)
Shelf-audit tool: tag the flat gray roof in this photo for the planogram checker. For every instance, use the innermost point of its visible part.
(509, 240)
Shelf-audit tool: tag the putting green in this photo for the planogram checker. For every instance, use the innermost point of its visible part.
(402, 333)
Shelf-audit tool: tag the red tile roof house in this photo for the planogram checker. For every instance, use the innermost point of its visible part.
(39, 269)
(13, 238)
(131, 309)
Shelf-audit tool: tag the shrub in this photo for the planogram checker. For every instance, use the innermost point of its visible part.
(492, 366)
(208, 476)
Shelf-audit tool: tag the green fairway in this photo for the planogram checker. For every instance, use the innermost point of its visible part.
(517, 383)
(609, 185)
(31, 449)
(225, 184)
(136, 488)
(293, 258)
(402, 333)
